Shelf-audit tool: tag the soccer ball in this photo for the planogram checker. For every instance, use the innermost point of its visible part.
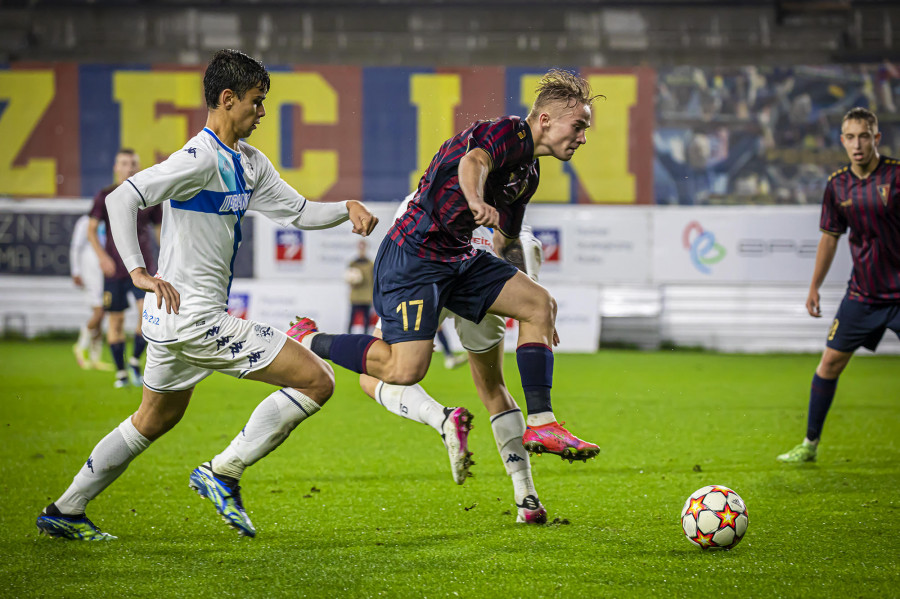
(714, 517)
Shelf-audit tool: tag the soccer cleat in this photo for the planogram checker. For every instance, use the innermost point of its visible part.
(227, 500)
(456, 426)
(531, 511)
(134, 375)
(53, 523)
(553, 438)
(301, 327)
(452, 361)
(805, 452)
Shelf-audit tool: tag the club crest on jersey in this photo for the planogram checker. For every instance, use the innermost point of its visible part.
(884, 192)
(551, 241)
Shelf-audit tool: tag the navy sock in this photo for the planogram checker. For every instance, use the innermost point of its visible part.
(118, 354)
(820, 396)
(442, 339)
(536, 372)
(140, 344)
(348, 351)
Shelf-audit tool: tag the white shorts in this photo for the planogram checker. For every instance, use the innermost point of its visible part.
(92, 277)
(222, 343)
(476, 338)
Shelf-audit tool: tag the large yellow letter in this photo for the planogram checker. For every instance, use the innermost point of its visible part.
(436, 97)
(320, 106)
(138, 93)
(27, 95)
(602, 163)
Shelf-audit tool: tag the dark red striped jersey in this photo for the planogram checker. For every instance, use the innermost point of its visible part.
(870, 207)
(438, 224)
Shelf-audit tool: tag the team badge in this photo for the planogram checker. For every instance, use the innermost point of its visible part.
(884, 192)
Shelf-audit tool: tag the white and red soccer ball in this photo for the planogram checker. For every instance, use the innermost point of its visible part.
(714, 517)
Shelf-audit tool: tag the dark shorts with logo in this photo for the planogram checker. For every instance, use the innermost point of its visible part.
(411, 291)
(115, 294)
(858, 324)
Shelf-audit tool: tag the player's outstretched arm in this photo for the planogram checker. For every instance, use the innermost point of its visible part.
(824, 257)
(164, 290)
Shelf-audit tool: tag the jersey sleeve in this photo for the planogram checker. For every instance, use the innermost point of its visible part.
(98, 209)
(179, 177)
(505, 140)
(832, 220)
(273, 197)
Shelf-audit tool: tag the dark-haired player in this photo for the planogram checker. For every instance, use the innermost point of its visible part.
(210, 183)
(484, 175)
(864, 197)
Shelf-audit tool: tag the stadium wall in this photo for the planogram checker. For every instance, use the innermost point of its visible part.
(732, 279)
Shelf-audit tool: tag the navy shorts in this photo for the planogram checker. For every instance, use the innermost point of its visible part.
(858, 324)
(411, 291)
(115, 294)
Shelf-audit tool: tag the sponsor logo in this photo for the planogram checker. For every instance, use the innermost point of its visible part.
(235, 202)
(263, 332)
(702, 247)
(90, 463)
(255, 356)
(191, 151)
(239, 305)
(223, 341)
(760, 248)
(200, 323)
(236, 347)
(212, 332)
(551, 240)
(289, 245)
(514, 458)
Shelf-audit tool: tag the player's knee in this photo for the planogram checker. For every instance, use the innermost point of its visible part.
(321, 388)
(543, 309)
(406, 374)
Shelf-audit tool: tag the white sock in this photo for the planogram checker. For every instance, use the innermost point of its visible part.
(96, 347)
(809, 443)
(269, 425)
(109, 459)
(541, 418)
(508, 429)
(84, 338)
(411, 402)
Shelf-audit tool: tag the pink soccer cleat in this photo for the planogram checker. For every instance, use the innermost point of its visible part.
(301, 327)
(531, 511)
(456, 427)
(553, 438)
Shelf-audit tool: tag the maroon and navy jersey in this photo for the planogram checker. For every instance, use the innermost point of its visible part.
(870, 208)
(438, 224)
(145, 218)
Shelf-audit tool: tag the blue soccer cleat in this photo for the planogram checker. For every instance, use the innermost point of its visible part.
(53, 523)
(226, 499)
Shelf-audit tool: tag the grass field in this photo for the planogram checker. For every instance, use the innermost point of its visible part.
(360, 503)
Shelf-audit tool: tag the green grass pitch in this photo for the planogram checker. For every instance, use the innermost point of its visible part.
(360, 503)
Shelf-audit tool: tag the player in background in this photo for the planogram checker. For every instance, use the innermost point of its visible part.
(484, 175)
(117, 284)
(87, 276)
(208, 185)
(451, 360)
(359, 277)
(864, 197)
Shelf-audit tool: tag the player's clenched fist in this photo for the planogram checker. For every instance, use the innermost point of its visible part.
(363, 221)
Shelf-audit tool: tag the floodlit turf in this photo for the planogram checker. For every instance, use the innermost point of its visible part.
(360, 503)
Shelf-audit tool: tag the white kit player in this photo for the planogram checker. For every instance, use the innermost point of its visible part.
(87, 276)
(209, 184)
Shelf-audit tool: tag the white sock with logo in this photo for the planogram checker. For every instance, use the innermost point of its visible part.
(106, 463)
(411, 402)
(269, 425)
(508, 429)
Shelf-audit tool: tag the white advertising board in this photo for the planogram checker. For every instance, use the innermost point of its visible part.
(740, 244)
(593, 244)
(577, 319)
